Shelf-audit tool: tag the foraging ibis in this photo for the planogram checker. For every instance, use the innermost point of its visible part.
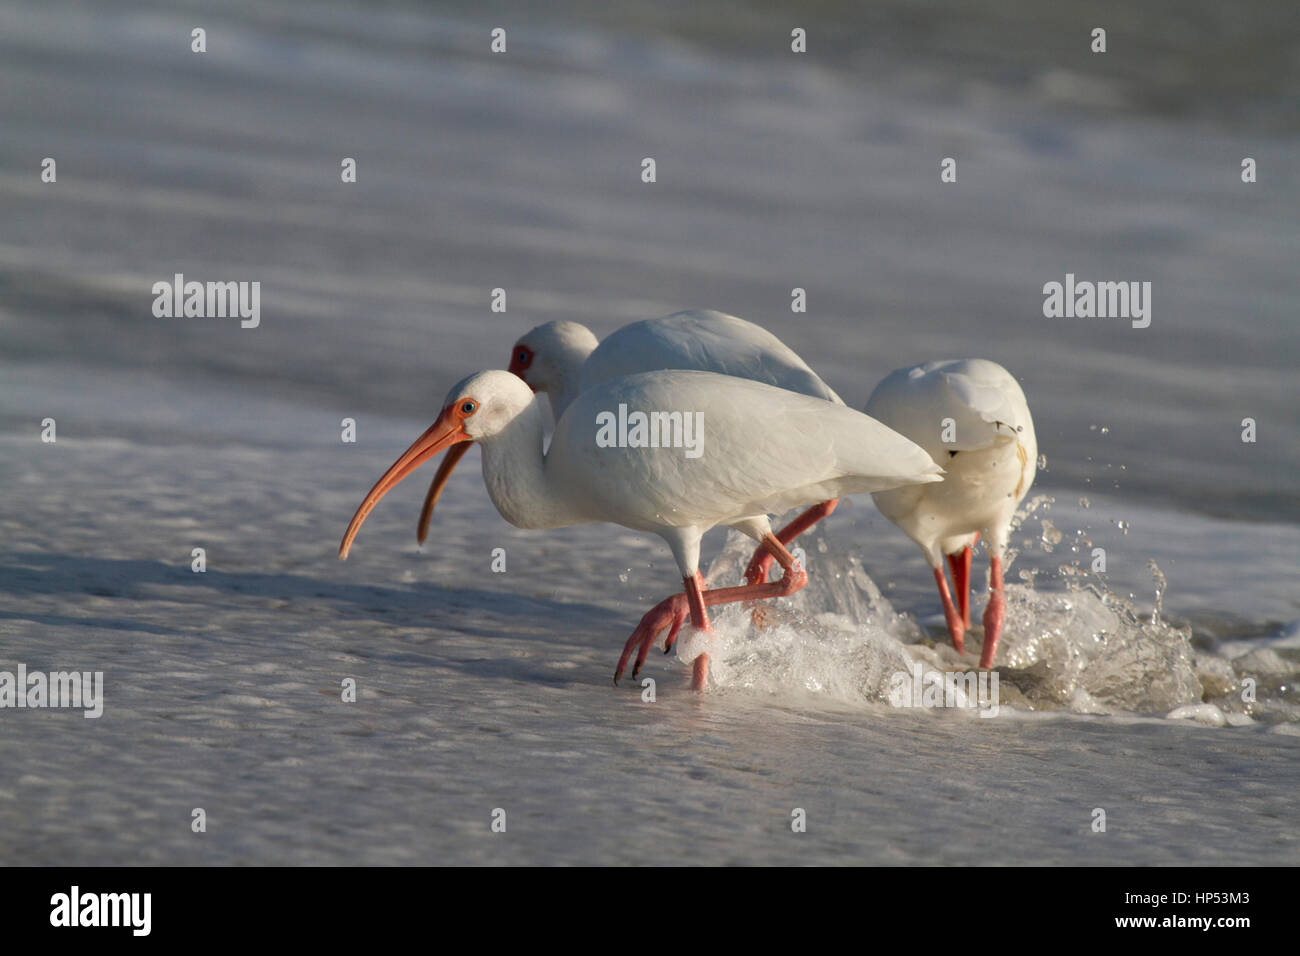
(972, 417)
(562, 359)
(737, 451)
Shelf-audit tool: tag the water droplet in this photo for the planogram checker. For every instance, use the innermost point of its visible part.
(1085, 503)
(1161, 585)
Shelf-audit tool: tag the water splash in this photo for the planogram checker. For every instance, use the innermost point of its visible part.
(1051, 537)
(1070, 643)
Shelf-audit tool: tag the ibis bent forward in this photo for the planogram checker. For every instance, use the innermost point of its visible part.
(562, 359)
(762, 450)
(971, 415)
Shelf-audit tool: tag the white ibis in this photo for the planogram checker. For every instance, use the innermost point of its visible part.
(562, 359)
(716, 450)
(972, 417)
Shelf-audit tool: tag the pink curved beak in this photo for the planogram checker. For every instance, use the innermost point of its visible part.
(454, 454)
(446, 432)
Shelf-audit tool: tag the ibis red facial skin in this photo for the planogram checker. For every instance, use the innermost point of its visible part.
(563, 358)
(972, 417)
(522, 358)
(762, 450)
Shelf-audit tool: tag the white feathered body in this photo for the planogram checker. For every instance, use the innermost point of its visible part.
(763, 450)
(981, 407)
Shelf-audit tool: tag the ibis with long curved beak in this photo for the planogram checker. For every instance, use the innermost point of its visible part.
(621, 453)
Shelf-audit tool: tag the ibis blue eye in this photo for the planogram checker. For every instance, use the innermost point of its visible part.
(523, 356)
(468, 408)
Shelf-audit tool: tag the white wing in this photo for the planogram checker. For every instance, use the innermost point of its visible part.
(764, 450)
(705, 341)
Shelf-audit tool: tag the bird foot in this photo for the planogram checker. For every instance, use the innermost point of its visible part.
(669, 613)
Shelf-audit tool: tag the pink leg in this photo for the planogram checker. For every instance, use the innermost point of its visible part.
(791, 581)
(699, 619)
(994, 613)
(672, 611)
(956, 630)
(761, 563)
(960, 565)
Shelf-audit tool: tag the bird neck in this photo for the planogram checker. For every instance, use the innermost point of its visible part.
(514, 471)
(569, 365)
(563, 396)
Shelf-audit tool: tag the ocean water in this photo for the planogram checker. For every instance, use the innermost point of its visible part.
(1163, 691)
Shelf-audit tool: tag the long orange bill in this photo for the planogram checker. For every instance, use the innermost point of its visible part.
(454, 454)
(445, 432)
